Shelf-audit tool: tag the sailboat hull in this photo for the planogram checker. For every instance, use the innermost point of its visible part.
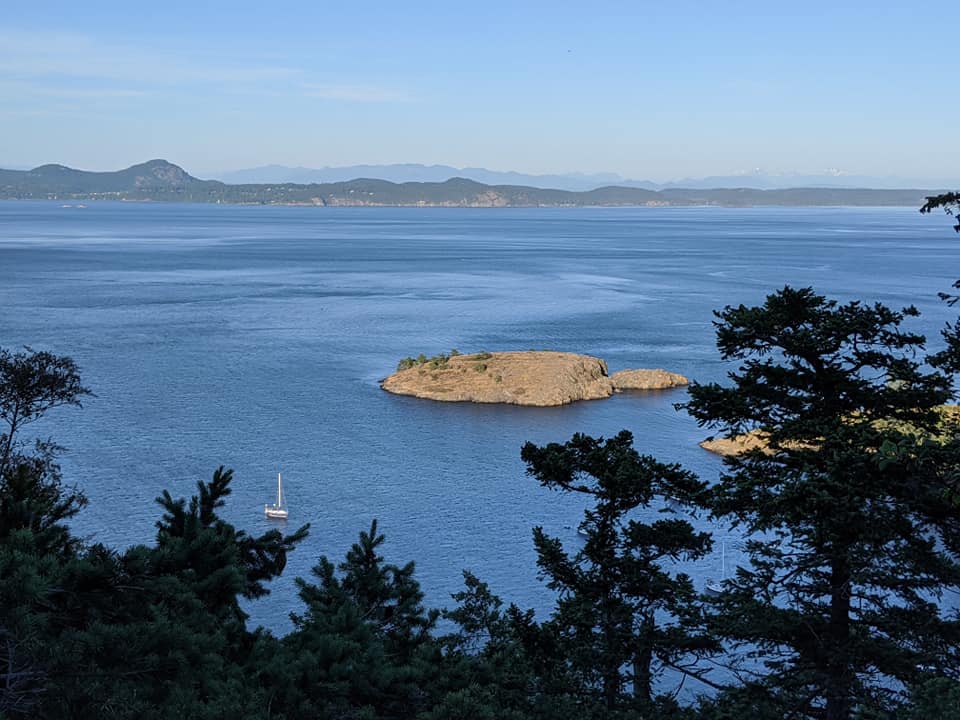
(277, 510)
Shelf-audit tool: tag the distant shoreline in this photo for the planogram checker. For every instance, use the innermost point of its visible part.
(161, 181)
(73, 203)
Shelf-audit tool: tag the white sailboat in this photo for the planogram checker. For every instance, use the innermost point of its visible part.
(277, 510)
(715, 587)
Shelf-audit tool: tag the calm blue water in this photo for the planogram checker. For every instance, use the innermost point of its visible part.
(254, 337)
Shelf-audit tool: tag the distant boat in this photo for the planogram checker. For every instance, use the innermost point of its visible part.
(715, 587)
(277, 510)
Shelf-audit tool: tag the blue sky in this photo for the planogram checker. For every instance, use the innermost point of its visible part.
(648, 90)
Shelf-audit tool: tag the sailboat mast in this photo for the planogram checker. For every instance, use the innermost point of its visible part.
(279, 492)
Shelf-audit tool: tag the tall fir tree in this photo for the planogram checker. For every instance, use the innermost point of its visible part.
(35, 507)
(363, 647)
(620, 616)
(850, 535)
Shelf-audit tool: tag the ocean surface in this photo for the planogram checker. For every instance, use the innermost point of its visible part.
(255, 337)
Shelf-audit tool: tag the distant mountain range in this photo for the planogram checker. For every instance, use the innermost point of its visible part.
(411, 172)
(159, 180)
(576, 182)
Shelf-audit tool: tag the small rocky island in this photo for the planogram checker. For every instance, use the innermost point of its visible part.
(756, 439)
(736, 445)
(540, 378)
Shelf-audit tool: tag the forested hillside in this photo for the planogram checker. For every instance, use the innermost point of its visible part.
(161, 181)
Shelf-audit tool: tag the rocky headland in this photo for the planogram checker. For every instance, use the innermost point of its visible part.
(736, 445)
(756, 439)
(538, 378)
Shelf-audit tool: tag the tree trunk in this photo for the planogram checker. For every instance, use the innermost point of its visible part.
(8, 445)
(643, 660)
(838, 678)
(612, 681)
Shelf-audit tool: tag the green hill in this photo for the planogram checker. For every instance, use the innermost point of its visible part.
(159, 180)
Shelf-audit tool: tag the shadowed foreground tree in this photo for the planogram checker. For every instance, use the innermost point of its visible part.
(157, 631)
(31, 383)
(948, 202)
(619, 618)
(32, 495)
(35, 541)
(850, 534)
(949, 358)
(222, 562)
(363, 647)
(85, 631)
(486, 671)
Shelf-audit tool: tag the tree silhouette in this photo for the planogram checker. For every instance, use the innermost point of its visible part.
(850, 534)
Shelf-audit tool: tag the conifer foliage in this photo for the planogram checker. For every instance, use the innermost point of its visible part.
(849, 531)
(618, 619)
(31, 384)
(363, 647)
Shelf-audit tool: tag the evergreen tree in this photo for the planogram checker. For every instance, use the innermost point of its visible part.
(948, 202)
(31, 384)
(157, 631)
(949, 358)
(850, 534)
(935, 699)
(35, 541)
(363, 647)
(220, 562)
(33, 498)
(493, 665)
(619, 619)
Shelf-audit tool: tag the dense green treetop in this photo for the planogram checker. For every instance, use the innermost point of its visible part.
(850, 535)
(619, 619)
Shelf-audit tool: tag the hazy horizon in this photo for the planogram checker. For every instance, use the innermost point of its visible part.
(574, 181)
(648, 93)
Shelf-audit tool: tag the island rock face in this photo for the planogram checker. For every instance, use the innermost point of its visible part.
(755, 439)
(538, 378)
(736, 445)
(647, 380)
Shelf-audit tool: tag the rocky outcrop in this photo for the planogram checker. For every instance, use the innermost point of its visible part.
(538, 378)
(647, 380)
(756, 439)
(736, 445)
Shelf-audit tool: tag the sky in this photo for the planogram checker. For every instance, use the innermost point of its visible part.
(647, 90)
